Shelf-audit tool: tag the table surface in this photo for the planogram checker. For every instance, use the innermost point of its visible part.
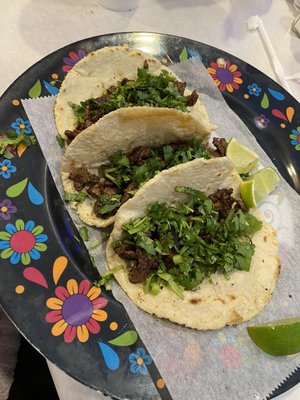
(31, 29)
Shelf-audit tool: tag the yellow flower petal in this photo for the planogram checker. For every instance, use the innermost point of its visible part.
(72, 286)
(211, 70)
(94, 292)
(229, 87)
(82, 333)
(99, 315)
(217, 82)
(237, 80)
(59, 327)
(232, 68)
(54, 303)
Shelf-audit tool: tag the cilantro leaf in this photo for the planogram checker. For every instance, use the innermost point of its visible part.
(147, 90)
(191, 241)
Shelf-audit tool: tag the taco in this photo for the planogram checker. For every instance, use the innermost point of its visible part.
(185, 248)
(116, 77)
(107, 163)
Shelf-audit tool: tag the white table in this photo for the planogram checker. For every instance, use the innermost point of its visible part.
(31, 29)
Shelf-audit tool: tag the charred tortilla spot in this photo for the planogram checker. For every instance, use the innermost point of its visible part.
(265, 238)
(196, 301)
(232, 297)
(220, 300)
(235, 317)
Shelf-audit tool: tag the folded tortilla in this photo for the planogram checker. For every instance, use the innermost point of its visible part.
(124, 129)
(217, 301)
(96, 72)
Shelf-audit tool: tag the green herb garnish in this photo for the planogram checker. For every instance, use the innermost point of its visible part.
(107, 278)
(60, 141)
(77, 197)
(147, 90)
(190, 241)
(83, 233)
(121, 171)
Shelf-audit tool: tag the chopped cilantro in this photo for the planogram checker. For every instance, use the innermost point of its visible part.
(60, 141)
(83, 233)
(147, 90)
(191, 241)
(121, 171)
(107, 278)
(77, 197)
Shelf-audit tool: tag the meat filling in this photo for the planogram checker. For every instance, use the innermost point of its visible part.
(99, 107)
(98, 186)
(141, 266)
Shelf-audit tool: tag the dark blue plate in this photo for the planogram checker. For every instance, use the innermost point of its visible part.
(46, 275)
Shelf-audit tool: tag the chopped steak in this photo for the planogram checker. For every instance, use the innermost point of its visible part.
(224, 202)
(143, 266)
(126, 252)
(109, 190)
(82, 177)
(94, 191)
(139, 154)
(192, 98)
(221, 146)
(180, 86)
(126, 196)
(146, 65)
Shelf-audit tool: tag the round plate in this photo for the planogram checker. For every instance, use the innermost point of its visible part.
(46, 275)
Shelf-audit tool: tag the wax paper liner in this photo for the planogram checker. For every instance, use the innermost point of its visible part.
(211, 365)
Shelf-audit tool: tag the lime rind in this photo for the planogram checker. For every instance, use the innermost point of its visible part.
(254, 189)
(280, 338)
(243, 158)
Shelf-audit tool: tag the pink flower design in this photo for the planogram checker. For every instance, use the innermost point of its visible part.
(230, 356)
(76, 310)
(225, 75)
(72, 59)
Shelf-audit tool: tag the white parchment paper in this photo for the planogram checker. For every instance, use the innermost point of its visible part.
(212, 365)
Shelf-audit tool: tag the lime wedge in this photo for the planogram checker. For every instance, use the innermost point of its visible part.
(258, 186)
(279, 338)
(244, 159)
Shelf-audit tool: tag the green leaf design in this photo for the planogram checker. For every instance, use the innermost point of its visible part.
(6, 253)
(20, 224)
(183, 55)
(36, 89)
(25, 258)
(5, 235)
(265, 102)
(37, 230)
(16, 189)
(40, 246)
(126, 339)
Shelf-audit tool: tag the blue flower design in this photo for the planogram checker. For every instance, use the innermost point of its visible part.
(22, 242)
(296, 138)
(254, 89)
(139, 361)
(6, 169)
(21, 125)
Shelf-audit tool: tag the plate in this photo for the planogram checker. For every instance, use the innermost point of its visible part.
(46, 274)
